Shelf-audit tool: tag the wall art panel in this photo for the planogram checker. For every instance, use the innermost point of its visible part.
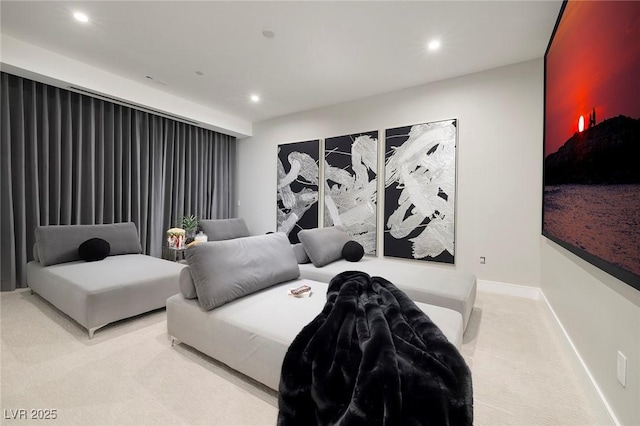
(350, 182)
(297, 184)
(420, 185)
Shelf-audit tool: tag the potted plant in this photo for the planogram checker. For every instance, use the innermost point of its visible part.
(190, 225)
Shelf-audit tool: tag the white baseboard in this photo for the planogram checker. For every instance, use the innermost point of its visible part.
(509, 289)
(599, 403)
(601, 408)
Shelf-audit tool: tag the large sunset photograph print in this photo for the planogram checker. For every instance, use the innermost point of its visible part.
(591, 202)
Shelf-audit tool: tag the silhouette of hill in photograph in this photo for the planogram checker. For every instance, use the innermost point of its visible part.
(606, 153)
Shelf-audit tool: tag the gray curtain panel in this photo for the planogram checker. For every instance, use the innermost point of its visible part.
(73, 159)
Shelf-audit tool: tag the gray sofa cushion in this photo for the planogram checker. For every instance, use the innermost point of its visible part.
(98, 293)
(224, 229)
(324, 245)
(59, 243)
(226, 270)
(301, 255)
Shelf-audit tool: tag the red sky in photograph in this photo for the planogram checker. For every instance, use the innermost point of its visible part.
(594, 62)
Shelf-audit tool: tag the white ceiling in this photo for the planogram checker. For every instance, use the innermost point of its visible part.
(323, 52)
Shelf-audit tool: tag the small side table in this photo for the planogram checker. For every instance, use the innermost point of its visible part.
(173, 254)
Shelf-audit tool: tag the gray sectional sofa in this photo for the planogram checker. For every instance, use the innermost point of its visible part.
(94, 294)
(427, 284)
(234, 304)
(448, 288)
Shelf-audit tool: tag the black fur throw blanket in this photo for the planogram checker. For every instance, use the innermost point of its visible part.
(372, 357)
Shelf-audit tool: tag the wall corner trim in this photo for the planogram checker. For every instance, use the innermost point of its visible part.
(603, 411)
(510, 289)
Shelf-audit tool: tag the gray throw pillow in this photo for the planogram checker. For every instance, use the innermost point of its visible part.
(324, 245)
(224, 229)
(223, 271)
(301, 255)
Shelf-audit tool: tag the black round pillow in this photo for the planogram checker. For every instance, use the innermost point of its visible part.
(352, 251)
(94, 249)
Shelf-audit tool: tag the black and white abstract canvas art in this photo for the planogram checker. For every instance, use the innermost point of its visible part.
(297, 185)
(350, 182)
(420, 185)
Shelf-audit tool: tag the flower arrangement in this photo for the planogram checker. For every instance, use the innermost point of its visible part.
(176, 237)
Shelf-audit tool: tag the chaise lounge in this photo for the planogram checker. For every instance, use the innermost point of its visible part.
(235, 308)
(94, 294)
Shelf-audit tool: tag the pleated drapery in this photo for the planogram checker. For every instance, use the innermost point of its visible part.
(68, 158)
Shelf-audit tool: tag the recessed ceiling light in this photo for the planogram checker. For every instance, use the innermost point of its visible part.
(81, 17)
(255, 98)
(434, 45)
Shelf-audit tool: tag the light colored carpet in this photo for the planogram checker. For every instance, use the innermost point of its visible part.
(521, 374)
(130, 374)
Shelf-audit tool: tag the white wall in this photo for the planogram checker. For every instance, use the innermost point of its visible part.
(499, 161)
(602, 316)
